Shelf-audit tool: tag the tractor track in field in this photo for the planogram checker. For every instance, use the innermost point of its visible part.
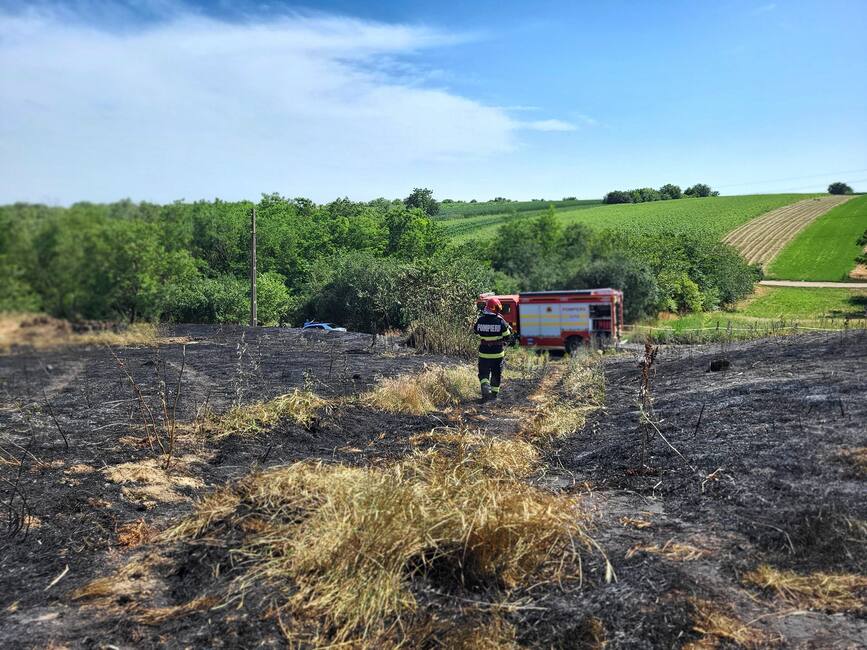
(761, 240)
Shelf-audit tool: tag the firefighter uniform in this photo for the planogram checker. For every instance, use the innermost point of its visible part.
(493, 332)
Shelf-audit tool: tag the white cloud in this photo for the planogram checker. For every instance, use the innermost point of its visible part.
(195, 107)
(549, 125)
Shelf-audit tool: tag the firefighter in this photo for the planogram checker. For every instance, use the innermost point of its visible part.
(493, 332)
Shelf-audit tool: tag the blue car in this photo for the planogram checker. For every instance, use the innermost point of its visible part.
(325, 327)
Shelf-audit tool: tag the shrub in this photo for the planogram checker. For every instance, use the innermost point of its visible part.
(839, 188)
(617, 196)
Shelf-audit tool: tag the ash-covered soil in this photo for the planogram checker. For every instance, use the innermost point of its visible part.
(759, 475)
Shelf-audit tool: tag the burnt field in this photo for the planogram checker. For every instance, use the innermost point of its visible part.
(340, 507)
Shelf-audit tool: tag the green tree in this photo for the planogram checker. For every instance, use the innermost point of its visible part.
(422, 198)
(700, 190)
(669, 192)
(839, 188)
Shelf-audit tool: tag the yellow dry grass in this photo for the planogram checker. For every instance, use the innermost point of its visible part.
(716, 625)
(508, 457)
(434, 388)
(830, 592)
(635, 522)
(566, 396)
(148, 480)
(338, 545)
(135, 533)
(43, 332)
(857, 458)
(671, 550)
(300, 406)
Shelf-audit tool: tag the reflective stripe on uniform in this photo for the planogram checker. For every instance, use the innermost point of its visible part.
(485, 381)
(495, 389)
(492, 355)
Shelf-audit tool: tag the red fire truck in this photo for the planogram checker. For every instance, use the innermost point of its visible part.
(563, 320)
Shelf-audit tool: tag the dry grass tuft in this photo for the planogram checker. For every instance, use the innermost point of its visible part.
(830, 592)
(508, 457)
(717, 625)
(44, 332)
(136, 533)
(300, 406)
(147, 481)
(495, 634)
(671, 550)
(340, 546)
(565, 398)
(137, 579)
(635, 522)
(856, 458)
(434, 388)
(157, 615)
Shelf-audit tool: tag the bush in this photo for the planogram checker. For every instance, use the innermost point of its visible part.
(644, 195)
(633, 277)
(617, 196)
(839, 188)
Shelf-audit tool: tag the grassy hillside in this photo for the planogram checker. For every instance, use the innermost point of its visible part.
(769, 310)
(713, 216)
(826, 249)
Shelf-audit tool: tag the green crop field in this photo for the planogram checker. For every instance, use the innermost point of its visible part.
(713, 216)
(826, 249)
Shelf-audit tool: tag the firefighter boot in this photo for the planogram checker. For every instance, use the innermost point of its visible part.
(495, 390)
(486, 391)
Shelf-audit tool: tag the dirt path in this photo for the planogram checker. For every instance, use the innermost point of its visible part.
(761, 239)
(820, 285)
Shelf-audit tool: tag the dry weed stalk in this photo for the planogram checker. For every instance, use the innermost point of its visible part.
(159, 432)
(831, 592)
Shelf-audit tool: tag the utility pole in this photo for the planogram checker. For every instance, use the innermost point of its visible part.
(253, 319)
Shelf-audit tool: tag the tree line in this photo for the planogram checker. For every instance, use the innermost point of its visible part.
(667, 192)
(368, 265)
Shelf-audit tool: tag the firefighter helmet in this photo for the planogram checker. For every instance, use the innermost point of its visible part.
(494, 305)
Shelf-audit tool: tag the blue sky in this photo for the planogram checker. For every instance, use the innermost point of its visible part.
(162, 100)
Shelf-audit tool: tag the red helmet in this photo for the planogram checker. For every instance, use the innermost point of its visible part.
(494, 305)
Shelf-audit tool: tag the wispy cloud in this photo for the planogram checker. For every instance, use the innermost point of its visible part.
(192, 107)
(549, 125)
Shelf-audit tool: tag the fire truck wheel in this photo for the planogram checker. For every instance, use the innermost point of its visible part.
(573, 344)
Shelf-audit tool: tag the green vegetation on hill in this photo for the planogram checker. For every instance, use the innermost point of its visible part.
(772, 310)
(462, 209)
(711, 216)
(827, 248)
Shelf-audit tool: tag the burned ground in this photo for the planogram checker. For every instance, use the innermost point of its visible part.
(764, 475)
